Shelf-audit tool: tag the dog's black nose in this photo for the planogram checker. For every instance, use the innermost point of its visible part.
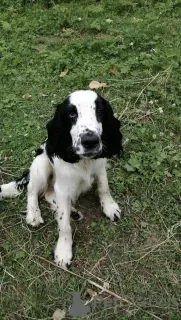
(90, 140)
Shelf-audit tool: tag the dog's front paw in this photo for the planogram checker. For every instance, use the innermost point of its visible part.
(111, 209)
(63, 253)
(33, 218)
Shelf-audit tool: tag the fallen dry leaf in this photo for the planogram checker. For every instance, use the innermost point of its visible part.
(97, 85)
(68, 30)
(91, 292)
(63, 73)
(59, 314)
(26, 96)
(114, 70)
(43, 94)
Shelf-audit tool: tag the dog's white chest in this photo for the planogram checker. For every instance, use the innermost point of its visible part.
(86, 172)
(77, 178)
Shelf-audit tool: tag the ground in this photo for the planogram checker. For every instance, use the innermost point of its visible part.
(133, 47)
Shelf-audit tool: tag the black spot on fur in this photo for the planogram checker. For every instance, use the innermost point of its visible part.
(22, 182)
(68, 265)
(39, 151)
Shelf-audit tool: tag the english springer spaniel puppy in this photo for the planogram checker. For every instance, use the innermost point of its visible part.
(81, 136)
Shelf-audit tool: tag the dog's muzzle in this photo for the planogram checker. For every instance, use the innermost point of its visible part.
(90, 140)
(91, 143)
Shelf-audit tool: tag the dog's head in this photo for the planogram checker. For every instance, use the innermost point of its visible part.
(84, 127)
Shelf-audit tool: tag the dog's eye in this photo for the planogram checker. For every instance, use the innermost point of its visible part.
(72, 114)
(99, 111)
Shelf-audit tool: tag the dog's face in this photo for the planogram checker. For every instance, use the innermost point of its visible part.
(86, 130)
(83, 127)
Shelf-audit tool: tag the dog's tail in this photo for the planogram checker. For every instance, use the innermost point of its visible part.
(14, 188)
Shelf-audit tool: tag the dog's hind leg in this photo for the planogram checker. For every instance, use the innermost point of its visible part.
(40, 172)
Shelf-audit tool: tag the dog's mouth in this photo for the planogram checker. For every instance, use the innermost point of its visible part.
(89, 153)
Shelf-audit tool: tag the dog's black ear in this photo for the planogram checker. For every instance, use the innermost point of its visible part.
(111, 136)
(59, 140)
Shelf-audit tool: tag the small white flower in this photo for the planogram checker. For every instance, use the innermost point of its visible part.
(79, 19)
(109, 20)
(131, 43)
(160, 110)
(151, 102)
(136, 19)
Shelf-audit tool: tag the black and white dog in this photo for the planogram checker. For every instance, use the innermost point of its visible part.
(81, 136)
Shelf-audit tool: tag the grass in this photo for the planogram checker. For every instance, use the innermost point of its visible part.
(134, 47)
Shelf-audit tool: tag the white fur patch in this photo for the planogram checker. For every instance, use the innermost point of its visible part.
(84, 101)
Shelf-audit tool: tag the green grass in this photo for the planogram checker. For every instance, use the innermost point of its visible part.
(141, 256)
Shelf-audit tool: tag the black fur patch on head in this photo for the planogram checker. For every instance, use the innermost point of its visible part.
(59, 141)
(111, 135)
